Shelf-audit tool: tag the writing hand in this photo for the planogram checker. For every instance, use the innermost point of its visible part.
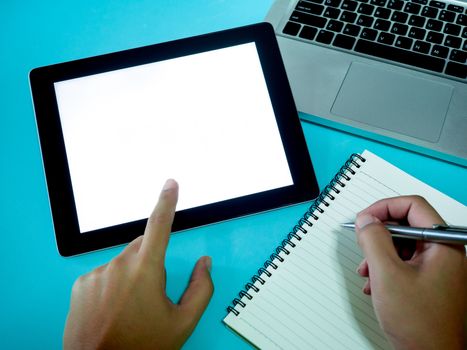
(420, 302)
(123, 304)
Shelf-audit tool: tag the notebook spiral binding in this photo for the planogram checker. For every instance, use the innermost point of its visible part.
(287, 244)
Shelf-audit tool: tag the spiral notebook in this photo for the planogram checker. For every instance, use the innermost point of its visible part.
(308, 295)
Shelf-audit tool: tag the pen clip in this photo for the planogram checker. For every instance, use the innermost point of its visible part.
(450, 228)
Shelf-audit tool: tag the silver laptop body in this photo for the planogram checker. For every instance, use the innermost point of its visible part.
(393, 102)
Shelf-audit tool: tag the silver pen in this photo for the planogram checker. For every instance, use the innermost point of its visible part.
(439, 233)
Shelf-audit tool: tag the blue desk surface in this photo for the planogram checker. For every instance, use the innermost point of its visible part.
(35, 281)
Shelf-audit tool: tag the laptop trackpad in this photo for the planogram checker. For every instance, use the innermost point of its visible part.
(393, 101)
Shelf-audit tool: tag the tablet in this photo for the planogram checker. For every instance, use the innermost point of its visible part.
(214, 112)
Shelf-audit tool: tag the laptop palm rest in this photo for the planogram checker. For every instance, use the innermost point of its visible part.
(393, 101)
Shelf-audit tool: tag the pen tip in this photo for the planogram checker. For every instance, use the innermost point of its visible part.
(348, 225)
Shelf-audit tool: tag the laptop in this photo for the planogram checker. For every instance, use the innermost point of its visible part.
(391, 70)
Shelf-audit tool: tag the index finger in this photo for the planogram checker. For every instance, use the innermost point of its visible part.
(415, 209)
(159, 225)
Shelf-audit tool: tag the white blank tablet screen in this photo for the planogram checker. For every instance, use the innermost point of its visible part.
(205, 120)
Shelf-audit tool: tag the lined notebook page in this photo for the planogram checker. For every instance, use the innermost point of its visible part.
(313, 299)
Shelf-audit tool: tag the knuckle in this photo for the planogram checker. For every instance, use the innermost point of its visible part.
(211, 287)
(360, 237)
(140, 270)
(418, 199)
(363, 235)
(160, 218)
(116, 263)
(137, 241)
(77, 285)
(166, 195)
(421, 203)
(207, 285)
(132, 247)
(80, 283)
(149, 263)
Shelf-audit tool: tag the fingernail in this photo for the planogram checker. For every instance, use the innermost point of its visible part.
(359, 268)
(169, 184)
(364, 220)
(367, 290)
(208, 263)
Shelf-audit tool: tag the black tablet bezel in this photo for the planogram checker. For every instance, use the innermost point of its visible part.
(70, 241)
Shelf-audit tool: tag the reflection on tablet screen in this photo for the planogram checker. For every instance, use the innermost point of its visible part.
(205, 120)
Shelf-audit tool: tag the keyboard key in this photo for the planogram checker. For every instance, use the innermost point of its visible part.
(440, 51)
(366, 9)
(452, 29)
(349, 5)
(308, 33)
(344, 41)
(381, 12)
(349, 17)
(351, 29)
(462, 20)
(308, 19)
(453, 41)
(464, 33)
(434, 37)
(465, 45)
(333, 3)
(417, 33)
(433, 24)
(421, 46)
(458, 56)
(291, 28)
(317, 1)
(403, 42)
(309, 7)
(411, 7)
(400, 17)
(430, 12)
(399, 55)
(382, 24)
(335, 26)
(399, 29)
(365, 21)
(378, 2)
(455, 8)
(386, 38)
(331, 12)
(421, 2)
(438, 4)
(395, 4)
(456, 69)
(325, 36)
(369, 34)
(416, 21)
(447, 16)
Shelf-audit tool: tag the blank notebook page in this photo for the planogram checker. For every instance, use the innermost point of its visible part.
(313, 298)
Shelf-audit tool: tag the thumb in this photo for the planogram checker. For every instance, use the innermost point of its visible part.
(196, 297)
(376, 242)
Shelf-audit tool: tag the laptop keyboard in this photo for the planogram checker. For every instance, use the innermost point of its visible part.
(431, 35)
